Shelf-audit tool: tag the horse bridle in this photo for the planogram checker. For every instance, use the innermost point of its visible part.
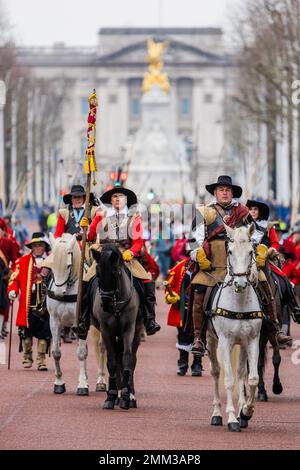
(112, 295)
(244, 274)
(69, 281)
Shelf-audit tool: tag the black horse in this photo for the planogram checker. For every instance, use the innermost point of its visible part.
(116, 313)
(268, 334)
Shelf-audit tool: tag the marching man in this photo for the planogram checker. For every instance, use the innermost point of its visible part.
(32, 320)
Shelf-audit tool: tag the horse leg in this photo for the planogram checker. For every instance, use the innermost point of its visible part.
(212, 344)
(101, 385)
(225, 352)
(59, 384)
(136, 343)
(246, 412)
(112, 392)
(276, 359)
(242, 376)
(127, 369)
(263, 340)
(82, 352)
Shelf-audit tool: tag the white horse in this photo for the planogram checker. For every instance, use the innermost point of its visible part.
(61, 305)
(236, 320)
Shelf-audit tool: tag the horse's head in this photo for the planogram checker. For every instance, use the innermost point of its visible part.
(109, 261)
(66, 257)
(240, 256)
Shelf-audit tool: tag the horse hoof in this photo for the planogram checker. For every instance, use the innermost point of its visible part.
(262, 396)
(244, 417)
(82, 392)
(243, 423)
(59, 389)
(124, 404)
(216, 421)
(108, 405)
(277, 388)
(100, 387)
(234, 427)
(133, 403)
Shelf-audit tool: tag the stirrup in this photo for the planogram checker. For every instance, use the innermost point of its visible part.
(198, 347)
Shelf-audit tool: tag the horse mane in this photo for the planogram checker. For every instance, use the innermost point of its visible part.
(60, 255)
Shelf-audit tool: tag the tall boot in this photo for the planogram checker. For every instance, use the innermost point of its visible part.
(199, 321)
(41, 355)
(196, 367)
(85, 320)
(1, 326)
(151, 325)
(183, 362)
(27, 353)
(271, 311)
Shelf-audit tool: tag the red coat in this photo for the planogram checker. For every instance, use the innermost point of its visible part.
(292, 271)
(60, 227)
(137, 233)
(274, 243)
(21, 280)
(175, 279)
(9, 251)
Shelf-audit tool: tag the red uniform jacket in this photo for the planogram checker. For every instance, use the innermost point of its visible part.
(274, 243)
(9, 251)
(137, 232)
(60, 227)
(21, 280)
(175, 279)
(292, 271)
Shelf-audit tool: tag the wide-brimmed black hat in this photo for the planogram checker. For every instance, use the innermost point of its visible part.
(38, 237)
(131, 196)
(77, 190)
(225, 180)
(264, 210)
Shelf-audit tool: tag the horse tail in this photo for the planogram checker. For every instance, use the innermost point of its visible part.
(235, 357)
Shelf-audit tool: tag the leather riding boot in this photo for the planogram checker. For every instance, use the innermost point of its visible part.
(85, 320)
(271, 311)
(183, 362)
(199, 321)
(27, 353)
(41, 355)
(197, 366)
(151, 326)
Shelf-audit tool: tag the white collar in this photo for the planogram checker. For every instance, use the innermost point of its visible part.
(262, 223)
(111, 211)
(234, 202)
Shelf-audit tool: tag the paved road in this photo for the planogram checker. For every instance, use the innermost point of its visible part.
(173, 412)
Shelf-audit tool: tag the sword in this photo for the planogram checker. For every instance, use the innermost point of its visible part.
(10, 333)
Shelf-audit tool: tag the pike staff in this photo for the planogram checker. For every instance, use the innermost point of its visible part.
(90, 167)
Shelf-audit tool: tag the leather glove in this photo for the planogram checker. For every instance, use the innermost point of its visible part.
(272, 253)
(261, 255)
(172, 299)
(84, 223)
(12, 295)
(204, 263)
(127, 255)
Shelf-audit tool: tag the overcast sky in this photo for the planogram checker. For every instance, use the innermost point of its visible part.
(76, 22)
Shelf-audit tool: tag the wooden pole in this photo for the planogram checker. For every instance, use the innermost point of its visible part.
(10, 334)
(90, 167)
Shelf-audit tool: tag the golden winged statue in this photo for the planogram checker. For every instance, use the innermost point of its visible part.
(155, 76)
